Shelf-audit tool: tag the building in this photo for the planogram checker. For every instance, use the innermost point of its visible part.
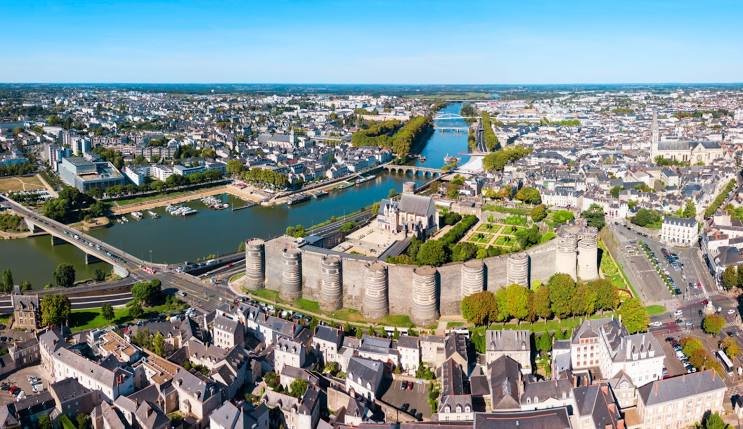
(72, 398)
(410, 353)
(327, 341)
(679, 231)
(229, 416)
(604, 345)
(197, 395)
(513, 343)
(596, 408)
(411, 215)
(364, 377)
(553, 418)
(86, 175)
(227, 333)
(288, 352)
(26, 311)
(680, 401)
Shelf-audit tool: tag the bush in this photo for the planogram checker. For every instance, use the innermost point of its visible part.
(459, 230)
(461, 252)
(451, 218)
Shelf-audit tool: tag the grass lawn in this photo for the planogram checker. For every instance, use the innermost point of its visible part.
(271, 295)
(307, 305)
(547, 236)
(489, 228)
(453, 324)
(348, 314)
(236, 276)
(402, 320)
(19, 183)
(508, 229)
(655, 310)
(613, 272)
(503, 241)
(481, 238)
(92, 318)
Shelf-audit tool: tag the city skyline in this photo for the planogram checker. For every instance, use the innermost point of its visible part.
(534, 42)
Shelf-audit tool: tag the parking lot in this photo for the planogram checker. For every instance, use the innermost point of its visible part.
(672, 364)
(637, 267)
(20, 379)
(416, 398)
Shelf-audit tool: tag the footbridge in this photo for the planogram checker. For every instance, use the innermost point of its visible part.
(414, 169)
(95, 250)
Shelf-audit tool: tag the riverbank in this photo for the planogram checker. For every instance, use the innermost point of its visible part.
(185, 196)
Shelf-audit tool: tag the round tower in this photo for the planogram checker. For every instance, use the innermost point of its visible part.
(565, 259)
(517, 269)
(588, 250)
(255, 264)
(473, 277)
(291, 276)
(331, 285)
(375, 291)
(424, 311)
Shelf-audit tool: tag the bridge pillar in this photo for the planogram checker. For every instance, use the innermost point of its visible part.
(121, 271)
(56, 240)
(90, 259)
(30, 225)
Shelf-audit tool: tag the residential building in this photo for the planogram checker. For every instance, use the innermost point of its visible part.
(679, 231)
(513, 343)
(26, 311)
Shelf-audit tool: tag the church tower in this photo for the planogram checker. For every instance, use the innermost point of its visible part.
(655, 138)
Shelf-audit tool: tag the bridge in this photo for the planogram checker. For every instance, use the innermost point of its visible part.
(414, 169)
(95, 250)
(448, 116)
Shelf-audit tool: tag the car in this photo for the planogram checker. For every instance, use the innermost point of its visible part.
(419, 416)
(411, 385)
(678, 313)
(404, 406)
(181, 293)
(413, 411)
(731, 311)
(656, 324)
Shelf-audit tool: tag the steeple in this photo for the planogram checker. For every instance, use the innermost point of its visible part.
(655, 138)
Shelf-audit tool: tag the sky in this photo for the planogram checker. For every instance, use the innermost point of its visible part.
(364, 41)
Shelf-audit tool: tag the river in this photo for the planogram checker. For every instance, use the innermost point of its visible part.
(174, 239)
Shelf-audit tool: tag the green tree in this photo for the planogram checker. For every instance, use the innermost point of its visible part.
(271, 379)
(584, 300)
(529, 195)
(479, 308)
(647, 218)
(690, 209)
(83, 421)
(561, 288)
(512, 302)
(544, 342)
(713, 324)
(108, 312)
(740, 277)
(461, 252)
(147, 292)
(615, 191)
(135, 309)
(26, 286)
(729, 278)
(432, 252)
(234, 167)
(55, 309)
(99, 275)
(594, 216)
(298, 387)
(64, 275)
(6, 281)
(634, 316)
(730, 346)
(538, 213)
(44, 422)
(714, 421)
(158, 344)
(542, 302)
(607, 296)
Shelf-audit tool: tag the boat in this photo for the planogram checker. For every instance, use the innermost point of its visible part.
(296, 199)
(363, 179)
(422, 158)
(137, 215)
(450, 159)
(321, 194)
(344, 185)
(153, 214)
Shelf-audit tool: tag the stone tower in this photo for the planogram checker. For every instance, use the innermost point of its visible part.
(588, 254)
(291, 276)
(255, 264)
(425, 309)
(473, 277)
(517, 269)
(331, 283)
(567, 252)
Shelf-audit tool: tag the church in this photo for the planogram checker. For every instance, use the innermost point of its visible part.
(412, 215)
(692, 152)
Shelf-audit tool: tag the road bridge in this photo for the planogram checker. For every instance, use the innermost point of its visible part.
(94, 249)
(447, 116)
(414, 169)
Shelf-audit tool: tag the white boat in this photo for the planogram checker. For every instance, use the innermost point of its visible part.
(137, 215)
(153, 214)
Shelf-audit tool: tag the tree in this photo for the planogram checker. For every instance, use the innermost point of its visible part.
(690, 209)
(584, 300)
(538, 213)
(634, 316)
(713, 324)
(594, 216)
(135, 309)
(298, 387)
(479, 308)
(108, 312)
(740, 277)
(6, 281)
(432, 252)
(461, 252)
(147, 293)
(55, 309)
(64, 275)
(234, 167)
(544, 342)
(158, 344)
(607, 296)
(99, 275)
(561, 288)
(729, 278)
(730, 346)
(26, 286)
(529, 195)
(512, 302)
(615, 191)
(714, 421)
(646, 218)
(542, 302)
(44, 422)
(271, 379)
(83, 421)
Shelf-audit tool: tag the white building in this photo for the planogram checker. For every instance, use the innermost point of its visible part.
(288, 352)
(516, 344)
(679, 231)
(410, 353)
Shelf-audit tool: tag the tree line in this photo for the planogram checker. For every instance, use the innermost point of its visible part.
(491, 140)
(497, 160)
(392, 134)
(266, 177)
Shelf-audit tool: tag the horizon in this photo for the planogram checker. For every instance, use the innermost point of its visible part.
(533, 42)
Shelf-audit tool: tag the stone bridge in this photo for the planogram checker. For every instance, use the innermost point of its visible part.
(413, 170)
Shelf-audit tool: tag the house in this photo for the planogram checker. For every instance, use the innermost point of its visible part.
(288, 352)
(197, 395)
(680, 401)
(72, 398)
(506, 385)
(679, 231)
(516, 344)
(378, 348)
(538, 395)
(552, 418)
(364, 377)
(596, 408)
(456, 400)
(227, 332)
(26, 311)
(432, 350)
(244, 416)
(410, 353)
(327, 341)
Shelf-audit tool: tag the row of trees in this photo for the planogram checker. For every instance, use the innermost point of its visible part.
(69, 206)
(376, 133)
(441, 251)
(491, 140)
(497, 160)
(406, 137)
(721, 197)
(266, 177)
(16, 169)
(561, 297)
(11, 222)
(732, 277)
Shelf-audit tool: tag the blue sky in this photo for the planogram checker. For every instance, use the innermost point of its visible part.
(357, 41)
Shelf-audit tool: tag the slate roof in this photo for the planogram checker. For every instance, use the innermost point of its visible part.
(598, 402)
(674, 388)
(416, 204)
(505, 381)
(552, 418)
(687, 222)
(329, 334)
(408, 342)
(506, 339)
(367, 370)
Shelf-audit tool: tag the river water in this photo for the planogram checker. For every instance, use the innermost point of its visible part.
(174, 239)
